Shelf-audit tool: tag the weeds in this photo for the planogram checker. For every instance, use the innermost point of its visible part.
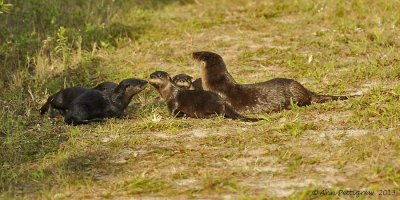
(332, 47)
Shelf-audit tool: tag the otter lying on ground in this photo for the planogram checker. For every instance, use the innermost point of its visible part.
(185, 81)
(192, 103)
(62, 99)
(94, 104)
(273, 95)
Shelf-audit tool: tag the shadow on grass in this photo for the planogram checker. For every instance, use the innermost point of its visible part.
(56, 24)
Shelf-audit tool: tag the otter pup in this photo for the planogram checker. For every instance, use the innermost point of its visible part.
(185, 81)
(94, 104)
(273, 95)
(62, 99)
(192, 103)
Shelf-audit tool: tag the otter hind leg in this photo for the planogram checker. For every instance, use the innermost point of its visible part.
(299, 95)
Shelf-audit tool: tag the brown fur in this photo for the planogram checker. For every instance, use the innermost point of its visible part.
(183, 81)
(192, 103)
(269, 96)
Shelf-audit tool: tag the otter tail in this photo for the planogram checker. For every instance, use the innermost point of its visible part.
(318, 98)
(232, 114)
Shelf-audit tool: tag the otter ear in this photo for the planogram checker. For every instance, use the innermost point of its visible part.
(191, 78)
(169, 78)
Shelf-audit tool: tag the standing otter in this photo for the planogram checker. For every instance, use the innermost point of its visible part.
(273, 95)
(185, 81)
(192, 103)
(94, 104)
(62, 99)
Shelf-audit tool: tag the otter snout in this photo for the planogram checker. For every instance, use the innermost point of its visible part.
(183, 83)
(134, 84)
(143, 84)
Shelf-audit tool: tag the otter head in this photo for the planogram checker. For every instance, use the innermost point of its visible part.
(160, 79)
(211, 61)
(125, 90)
(131, 86)
(213, 69)
(183, 81)
(106, 87)
(163, 83)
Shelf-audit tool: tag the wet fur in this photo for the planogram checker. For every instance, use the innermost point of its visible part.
(269, 96)
(62, 99)
(94, 104)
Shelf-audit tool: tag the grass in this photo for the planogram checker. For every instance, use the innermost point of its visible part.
(333, 47)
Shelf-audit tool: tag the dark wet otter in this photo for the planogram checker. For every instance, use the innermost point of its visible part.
(273, 95)
(192, 103)
(94, 104)
(62, 99)
(185, 81)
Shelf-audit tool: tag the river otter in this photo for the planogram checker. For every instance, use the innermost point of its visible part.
(273, 95)
(94, 104)
(185, 81)
(192, 103)
(62, 99)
